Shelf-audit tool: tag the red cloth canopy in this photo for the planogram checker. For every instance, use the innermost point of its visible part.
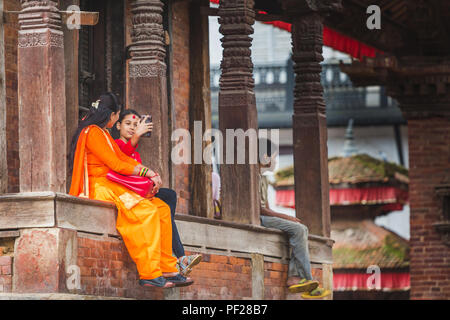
(358, 281)
(332, 39)
(393, 198)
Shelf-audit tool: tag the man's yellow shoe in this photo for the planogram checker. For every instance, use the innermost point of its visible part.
(316, 294)
(304, 286)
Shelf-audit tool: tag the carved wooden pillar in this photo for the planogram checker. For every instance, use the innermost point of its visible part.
(237, 110)
(3, 158)
(147, 87)
(42, 105)
(310, 126)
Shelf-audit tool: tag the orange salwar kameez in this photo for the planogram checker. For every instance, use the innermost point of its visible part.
(144, 224)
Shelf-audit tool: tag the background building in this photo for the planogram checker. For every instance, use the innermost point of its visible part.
(379, 127)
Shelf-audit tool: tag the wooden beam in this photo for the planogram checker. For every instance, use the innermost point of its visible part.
(208, 11)
(86, 18)
(213, 12)
(10, 234)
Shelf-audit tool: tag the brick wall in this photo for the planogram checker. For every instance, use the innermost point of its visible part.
(12, 128)
(429, 161)
(275, 277)
(106, 269)
(220, 277)
(180, 93)
(227, 277)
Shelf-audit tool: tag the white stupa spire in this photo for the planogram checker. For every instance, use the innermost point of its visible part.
(349, 144)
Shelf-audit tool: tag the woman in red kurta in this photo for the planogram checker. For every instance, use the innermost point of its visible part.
(144, 224)
(127, 131)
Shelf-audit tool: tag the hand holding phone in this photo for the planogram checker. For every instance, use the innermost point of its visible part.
(147, 119)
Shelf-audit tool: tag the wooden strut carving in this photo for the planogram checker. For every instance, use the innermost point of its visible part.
(36, 19)
(307, 54)
(148, 49)
(236, 20)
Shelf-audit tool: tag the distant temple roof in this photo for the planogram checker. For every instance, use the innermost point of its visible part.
(363, 243)
(359, 168)
(356, 180)
(364, 168)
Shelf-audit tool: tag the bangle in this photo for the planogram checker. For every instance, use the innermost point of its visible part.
(143, 172)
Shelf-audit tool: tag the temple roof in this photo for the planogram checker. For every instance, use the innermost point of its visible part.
(356, 169)
(362, 244)
(364, 168)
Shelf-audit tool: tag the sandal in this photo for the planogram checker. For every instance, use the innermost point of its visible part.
(159, 282)
(191, 261)
(180, 281)
(316, 294)
(304, 286)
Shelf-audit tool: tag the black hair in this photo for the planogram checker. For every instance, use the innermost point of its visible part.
(108, 103)
(115, 133)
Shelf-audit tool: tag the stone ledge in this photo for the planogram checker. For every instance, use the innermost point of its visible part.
(245, 239)
(50, 209)
(54, 296)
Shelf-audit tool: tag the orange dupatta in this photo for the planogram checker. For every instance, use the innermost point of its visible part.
(80, 180)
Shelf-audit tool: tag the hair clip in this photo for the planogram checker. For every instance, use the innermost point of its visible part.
(95, 104)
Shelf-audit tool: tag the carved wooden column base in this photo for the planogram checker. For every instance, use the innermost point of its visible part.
(239, 182)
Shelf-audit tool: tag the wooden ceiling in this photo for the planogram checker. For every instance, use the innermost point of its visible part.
(408, 27)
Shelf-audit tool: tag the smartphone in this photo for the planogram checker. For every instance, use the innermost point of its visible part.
(148, 119)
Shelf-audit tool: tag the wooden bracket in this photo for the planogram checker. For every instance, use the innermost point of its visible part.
(213, 12)
(86, 18)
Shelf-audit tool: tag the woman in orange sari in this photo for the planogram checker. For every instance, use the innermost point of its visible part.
(144, 224)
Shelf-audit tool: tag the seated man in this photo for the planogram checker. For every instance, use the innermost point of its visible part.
(216, 195)
(299, 274)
